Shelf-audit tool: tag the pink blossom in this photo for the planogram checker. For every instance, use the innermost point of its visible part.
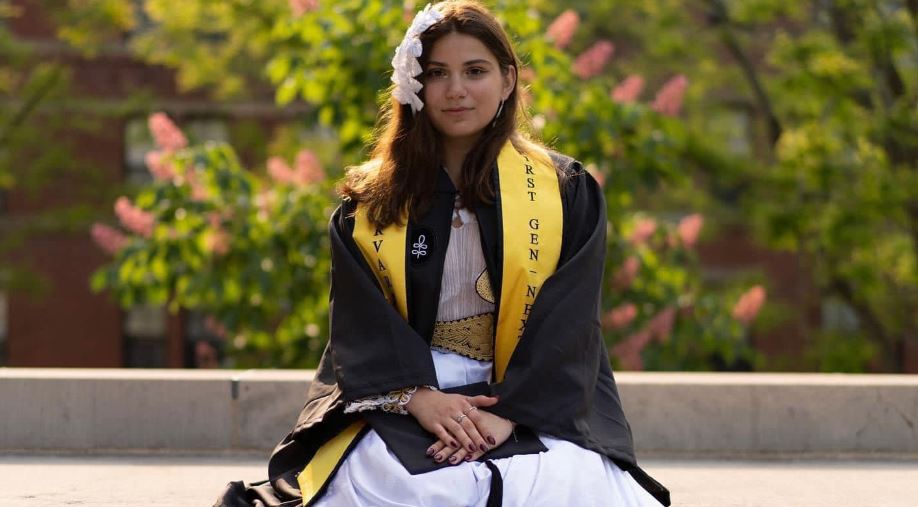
(214, 219)
(215, 326)
(198, 190)
(205, 355)
(279, 171)
(108, 238)
(597, 175)
(749, 304)
(620, 316)
(527, 74)
(562, 29)
(300, 7)
(265, 200)
(167, 136)
(591, 62)
(307, 169)
(160, 170)
(689, 228)
(133, 218)
(525, 96)
(217, 241)
(628, 90)
(661, 325)
(629, 350)
(669, 99)
(626, 274)
(643, 230)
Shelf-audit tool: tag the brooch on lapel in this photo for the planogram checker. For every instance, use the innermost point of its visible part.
(422, 245)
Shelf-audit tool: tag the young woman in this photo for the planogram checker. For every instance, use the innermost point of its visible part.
(465, 365)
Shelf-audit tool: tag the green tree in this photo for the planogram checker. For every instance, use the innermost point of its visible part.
(208, 234)
(32, 88)
(832, 169)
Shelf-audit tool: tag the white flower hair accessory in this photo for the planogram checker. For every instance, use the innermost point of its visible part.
(405, 62)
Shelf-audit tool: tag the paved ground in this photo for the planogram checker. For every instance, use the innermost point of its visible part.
(31, 481)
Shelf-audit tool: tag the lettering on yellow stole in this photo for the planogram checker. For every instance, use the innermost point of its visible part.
(530, 182)
(387, 287)
(533, 248)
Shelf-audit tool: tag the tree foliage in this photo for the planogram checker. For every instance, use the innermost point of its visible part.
(31, 83)
(831, 172)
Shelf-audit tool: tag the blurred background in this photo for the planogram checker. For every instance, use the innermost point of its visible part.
(167, 170)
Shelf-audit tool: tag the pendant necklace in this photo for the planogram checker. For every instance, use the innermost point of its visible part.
(457, 218)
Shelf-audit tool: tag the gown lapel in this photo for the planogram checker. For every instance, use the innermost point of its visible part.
(427, 238)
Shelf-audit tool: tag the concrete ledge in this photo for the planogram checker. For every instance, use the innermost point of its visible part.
(101, 410)
(781, 414)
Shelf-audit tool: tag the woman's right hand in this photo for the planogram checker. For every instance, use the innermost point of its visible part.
(496, 430)
(437, 413)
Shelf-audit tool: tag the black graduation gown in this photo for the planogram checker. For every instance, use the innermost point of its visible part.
(558, 380)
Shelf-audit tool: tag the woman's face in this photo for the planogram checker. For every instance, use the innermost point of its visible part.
(463, 87)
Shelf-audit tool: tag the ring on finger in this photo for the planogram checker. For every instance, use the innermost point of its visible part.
(469, 410)
(459, 418)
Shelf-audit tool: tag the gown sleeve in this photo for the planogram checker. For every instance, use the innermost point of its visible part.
(374, 350)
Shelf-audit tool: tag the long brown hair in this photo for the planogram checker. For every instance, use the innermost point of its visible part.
(401, 174)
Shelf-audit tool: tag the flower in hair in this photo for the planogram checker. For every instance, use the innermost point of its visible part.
(405, 62)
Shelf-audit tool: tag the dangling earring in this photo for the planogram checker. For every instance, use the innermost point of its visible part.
(500, 109)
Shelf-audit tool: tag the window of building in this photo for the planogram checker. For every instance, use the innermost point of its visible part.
(137, 143)
(145, 337)
(838, 316)
(203, 347)
(732, 125)
(740, 139)
(200, 130)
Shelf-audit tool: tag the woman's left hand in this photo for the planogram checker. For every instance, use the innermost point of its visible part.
(498, 429)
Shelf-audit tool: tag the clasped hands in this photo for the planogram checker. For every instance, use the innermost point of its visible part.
(464, 430)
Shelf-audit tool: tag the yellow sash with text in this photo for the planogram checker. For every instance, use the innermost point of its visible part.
(532, 223)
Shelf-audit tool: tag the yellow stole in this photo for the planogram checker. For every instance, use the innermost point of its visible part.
(532, 224)
(531, 218)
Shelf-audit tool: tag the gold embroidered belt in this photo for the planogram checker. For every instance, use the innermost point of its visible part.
(471, 337)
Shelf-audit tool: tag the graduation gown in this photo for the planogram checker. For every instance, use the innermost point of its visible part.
(558, 380)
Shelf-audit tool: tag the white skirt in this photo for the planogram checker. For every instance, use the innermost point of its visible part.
(371, 476)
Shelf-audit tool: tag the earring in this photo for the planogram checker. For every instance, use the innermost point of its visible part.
(500, 109)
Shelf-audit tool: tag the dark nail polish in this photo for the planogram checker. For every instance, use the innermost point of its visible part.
(453, 459)
(468, 457)
(472, 447)
(430, 451)
(438, 458)
(484, 448)
(491, 440)
(453, 444)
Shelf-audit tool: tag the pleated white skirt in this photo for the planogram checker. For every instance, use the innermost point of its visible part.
(566, 475)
